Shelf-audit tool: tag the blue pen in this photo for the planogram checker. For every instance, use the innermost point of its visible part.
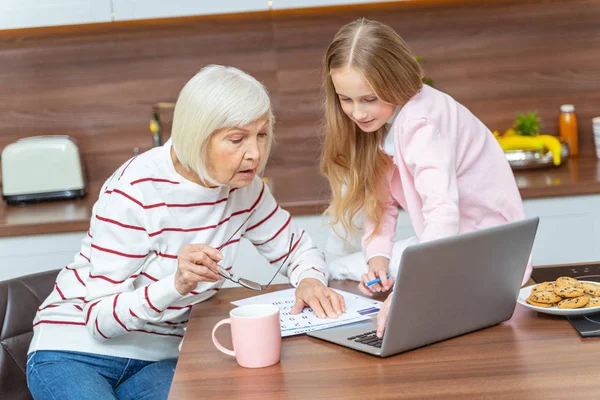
(374, 281)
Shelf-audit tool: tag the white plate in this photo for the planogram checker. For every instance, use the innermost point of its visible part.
(524, 293)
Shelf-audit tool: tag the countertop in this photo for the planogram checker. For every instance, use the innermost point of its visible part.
(300, 192)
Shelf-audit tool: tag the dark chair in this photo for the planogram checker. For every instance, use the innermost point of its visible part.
(19, 300)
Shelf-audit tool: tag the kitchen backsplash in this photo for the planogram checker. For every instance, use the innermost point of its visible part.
(98, 83)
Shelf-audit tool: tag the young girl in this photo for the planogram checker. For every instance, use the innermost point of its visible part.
(392, 141)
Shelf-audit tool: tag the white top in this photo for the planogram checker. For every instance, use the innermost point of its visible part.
(389, 142)
(118, 296)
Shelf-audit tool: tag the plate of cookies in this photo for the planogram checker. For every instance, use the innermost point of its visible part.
(564, 296)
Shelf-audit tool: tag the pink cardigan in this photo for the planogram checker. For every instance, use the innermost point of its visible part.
(451, 175)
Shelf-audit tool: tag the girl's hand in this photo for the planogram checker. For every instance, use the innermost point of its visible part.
(196, 263)
(378, 268)
(382, 316)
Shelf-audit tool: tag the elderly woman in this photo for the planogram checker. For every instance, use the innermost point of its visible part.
(163, 234)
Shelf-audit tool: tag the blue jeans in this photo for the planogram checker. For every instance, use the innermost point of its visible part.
(73, 375)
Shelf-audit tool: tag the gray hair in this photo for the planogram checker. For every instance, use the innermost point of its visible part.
(217, 97)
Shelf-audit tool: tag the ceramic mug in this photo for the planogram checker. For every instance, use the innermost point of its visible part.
(255, 334)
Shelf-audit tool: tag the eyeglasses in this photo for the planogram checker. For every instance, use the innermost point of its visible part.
(247, 283)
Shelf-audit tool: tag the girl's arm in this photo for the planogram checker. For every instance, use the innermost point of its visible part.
(378, 247)
(382, 242)
(429, 156)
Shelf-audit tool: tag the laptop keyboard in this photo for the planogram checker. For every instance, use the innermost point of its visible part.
(368, 338)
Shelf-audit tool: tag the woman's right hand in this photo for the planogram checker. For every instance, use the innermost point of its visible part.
(196, 263)
(378, 268)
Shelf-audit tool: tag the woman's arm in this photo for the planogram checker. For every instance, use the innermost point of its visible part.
(120, 246)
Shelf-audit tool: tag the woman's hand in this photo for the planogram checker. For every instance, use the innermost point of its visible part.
(378, 268)
(382, 316)
(196, 263)
(325, 302)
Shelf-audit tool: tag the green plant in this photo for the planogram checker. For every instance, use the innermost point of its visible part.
(528, 124)
(426, 80)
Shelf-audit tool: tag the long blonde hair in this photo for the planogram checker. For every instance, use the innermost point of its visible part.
(352, 160)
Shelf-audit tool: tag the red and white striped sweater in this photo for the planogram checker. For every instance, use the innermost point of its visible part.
(118, 296)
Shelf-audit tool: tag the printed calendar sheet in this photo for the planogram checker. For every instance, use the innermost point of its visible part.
(358, 308)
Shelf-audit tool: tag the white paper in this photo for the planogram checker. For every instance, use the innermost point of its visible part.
(358, 308)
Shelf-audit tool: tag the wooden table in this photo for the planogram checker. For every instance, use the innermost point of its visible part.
(532, 356)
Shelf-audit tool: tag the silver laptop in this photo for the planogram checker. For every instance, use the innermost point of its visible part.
(447, 287)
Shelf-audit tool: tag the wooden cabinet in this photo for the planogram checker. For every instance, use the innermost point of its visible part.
(35, 13)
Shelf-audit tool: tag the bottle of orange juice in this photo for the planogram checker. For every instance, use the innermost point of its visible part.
(567, 126)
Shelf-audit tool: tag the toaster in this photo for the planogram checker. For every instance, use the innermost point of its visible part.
(42, 168)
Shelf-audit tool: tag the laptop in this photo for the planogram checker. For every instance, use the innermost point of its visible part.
(445, 288)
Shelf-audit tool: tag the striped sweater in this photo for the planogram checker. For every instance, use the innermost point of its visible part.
(118, 296)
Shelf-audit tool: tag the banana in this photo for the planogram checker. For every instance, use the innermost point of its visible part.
(153, 126)
(553, 145)
(520, 143)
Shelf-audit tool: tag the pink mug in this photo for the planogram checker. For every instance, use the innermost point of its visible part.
(255, 334)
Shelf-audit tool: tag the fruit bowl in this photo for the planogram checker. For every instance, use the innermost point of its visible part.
(530, 159)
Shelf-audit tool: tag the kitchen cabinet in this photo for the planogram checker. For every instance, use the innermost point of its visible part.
(39, 13)
(145, 9)
(24, 255)
(285, 4)
(569, 232)
(569, 229)
(35, 13)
